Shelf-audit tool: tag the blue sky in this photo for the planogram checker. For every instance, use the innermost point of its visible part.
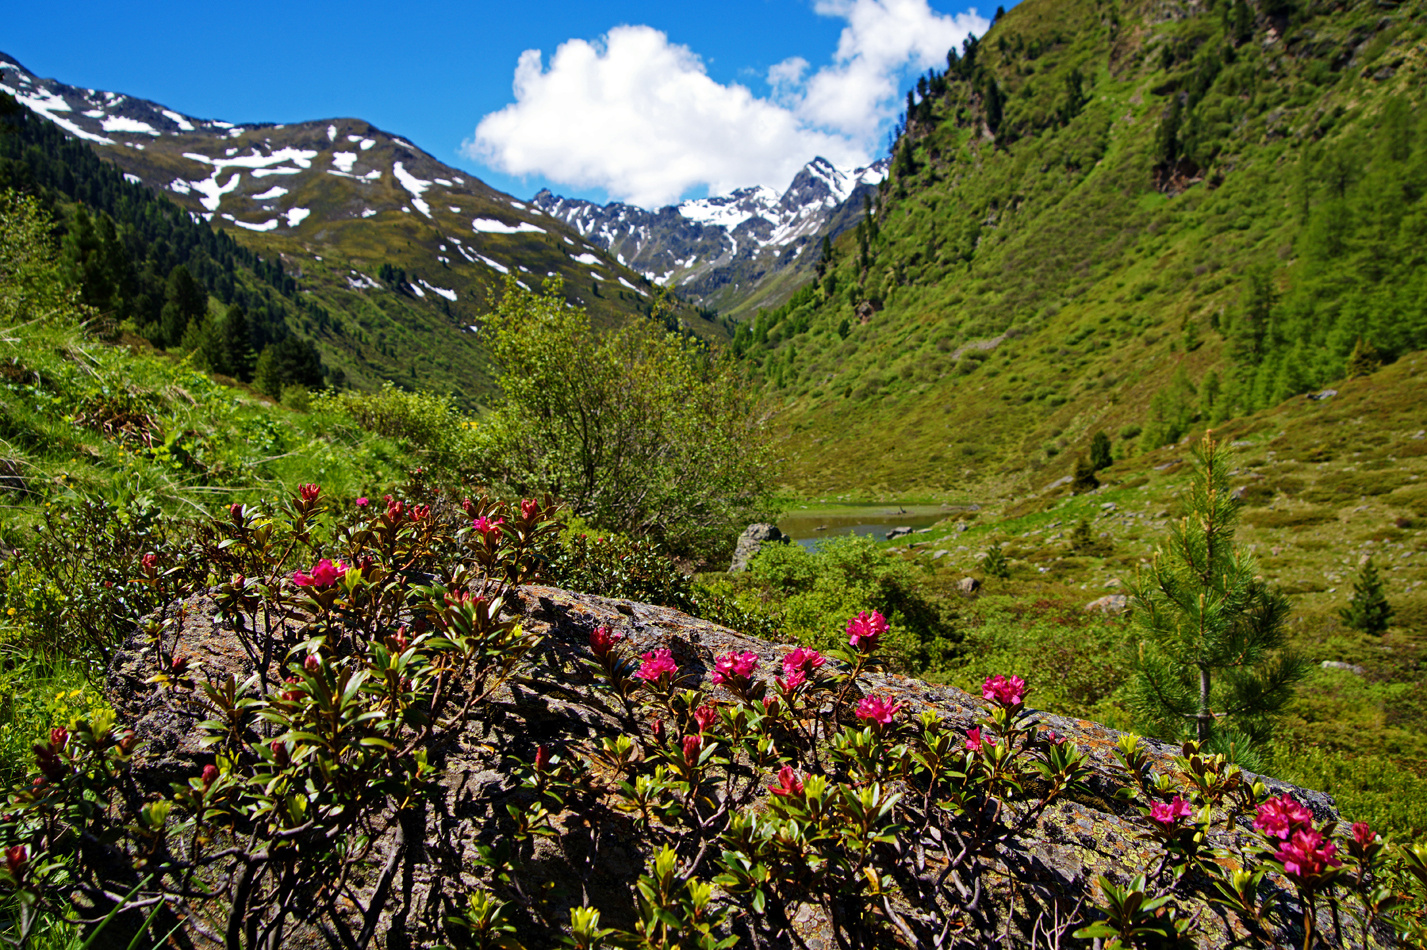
(639, 101)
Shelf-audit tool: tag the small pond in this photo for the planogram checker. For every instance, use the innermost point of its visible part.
(808, 527)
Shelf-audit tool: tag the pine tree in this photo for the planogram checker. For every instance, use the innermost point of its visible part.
(994, 564)
(1211, 662)
(1368, 610)
(1100, 457)
(1084, 480)
(1364, 359)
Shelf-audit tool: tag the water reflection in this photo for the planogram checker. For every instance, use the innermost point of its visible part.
(808, 528)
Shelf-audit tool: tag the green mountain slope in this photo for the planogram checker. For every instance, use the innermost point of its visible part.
(1112, 216)
(386, 256)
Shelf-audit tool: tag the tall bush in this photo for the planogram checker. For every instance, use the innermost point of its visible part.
(639, 430)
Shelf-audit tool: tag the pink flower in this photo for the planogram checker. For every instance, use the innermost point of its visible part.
(1280, 817)
(394, 508)
(420, 512)
(235, 511)
(488, 529)
(309, 493)
(59, 736)
(1307, 854)
(693, 745)
(734, 669)
(788, 783)
(362, 502)
(802, 660)
(1364, 835)
(1006, 692)
(974, 742)
(865, 630)
(325, 574)
(656, 664)
(542, 757)
(16, 858)
(878, 709)
(1169, 815)
(210, 775)
(706, 715)
(279, 751)
(529, 508)
(312, 664)
(150, 563)
(602, 640)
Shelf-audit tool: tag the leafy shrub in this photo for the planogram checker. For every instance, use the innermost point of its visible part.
(428, 423)
(640, 431)
(847, 574)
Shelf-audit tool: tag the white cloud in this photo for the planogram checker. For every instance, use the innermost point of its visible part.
(882, 38)
(639, 117)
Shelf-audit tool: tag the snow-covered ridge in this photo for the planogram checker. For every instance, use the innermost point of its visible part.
(693, 240)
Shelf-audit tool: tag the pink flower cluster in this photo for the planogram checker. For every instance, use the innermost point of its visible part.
(788, 783)
(488, 529)
(1282, 816)
(1171, 814)
(974, 742)
(657, 663)
(309, 493)
(734, 669)
(1006, 692)
(1307, 854)
(798, 666)
(325, 574)
(865, 630)
(877, 709)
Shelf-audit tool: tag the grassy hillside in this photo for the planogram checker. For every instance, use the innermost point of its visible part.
(1130, 217)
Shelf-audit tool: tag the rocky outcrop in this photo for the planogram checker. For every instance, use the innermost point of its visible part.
(597, 855)
(751, 541)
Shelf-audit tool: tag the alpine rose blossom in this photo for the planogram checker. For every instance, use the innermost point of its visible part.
(210, 775)
(878, 709)
(490, 530)
(1006, 692)
(974, 742)
(706, 715)
(1364, 835)
(656, 664)
(1280, 817)
(734, 668)
(1169, 815)
(603, 639)
(788, 782)
(693, 745)
(1307, 854)
(529, 508)
(309, 492)
(16, 857)
(363, 502)
(865, 630)
(325, 574)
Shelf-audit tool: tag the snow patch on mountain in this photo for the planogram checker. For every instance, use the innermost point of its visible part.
(295, 216)
(415, 185)
(344, 161)
(492, 226)
(276, 191)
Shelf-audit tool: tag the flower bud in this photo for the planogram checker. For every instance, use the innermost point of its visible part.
(312, 664)
(16, 858)
(210, 775)
(280, 753)
(542, 757)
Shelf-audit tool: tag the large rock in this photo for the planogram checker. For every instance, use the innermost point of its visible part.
(554, 702)
(751, 541)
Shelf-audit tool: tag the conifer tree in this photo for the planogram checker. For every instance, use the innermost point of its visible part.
(1211, 662)
(1084, 480)
(1100, 457)
(1364, 359)
(1368, 610)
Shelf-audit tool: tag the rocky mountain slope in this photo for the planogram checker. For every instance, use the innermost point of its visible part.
(341, 203)
(735, 252)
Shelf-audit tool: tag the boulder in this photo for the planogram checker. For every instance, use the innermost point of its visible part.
(751, 540)
(1109, 604)
(968, 586)
(432, 856)
(899, 532)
